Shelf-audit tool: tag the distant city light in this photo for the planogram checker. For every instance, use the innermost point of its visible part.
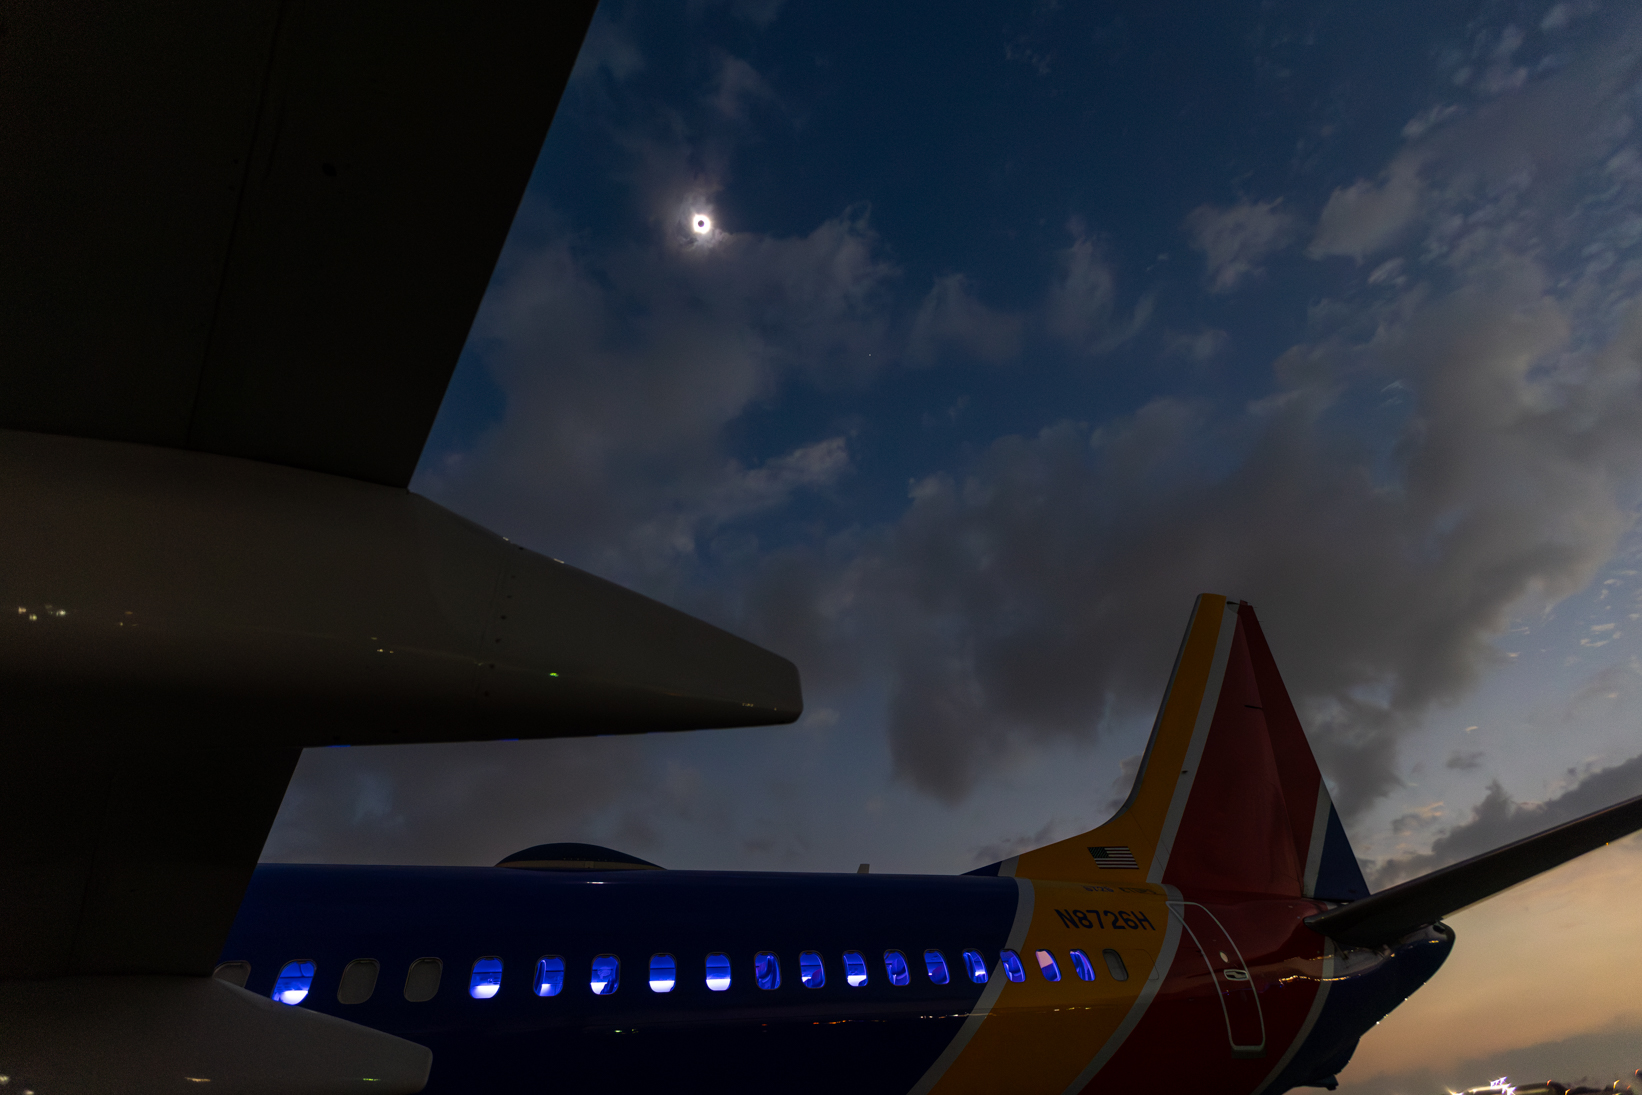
(701, 223)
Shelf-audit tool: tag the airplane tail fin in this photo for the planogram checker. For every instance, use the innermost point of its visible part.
(1228, 795)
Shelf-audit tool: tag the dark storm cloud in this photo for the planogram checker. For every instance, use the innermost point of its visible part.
(1499, 819)
(1465, 760)
(1046, 588)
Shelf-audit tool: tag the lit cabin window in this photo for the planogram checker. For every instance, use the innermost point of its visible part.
(358, 981)
(718, 972)
(976, 965)
(486, 978)
(422, 979)
(855, 969)
(235, 973)
(294, 981)
(549, 975)
(663, 973)
(1114, 963)
(1085, 969)
(1012, 966)
(895, 964)
(606, 974)
(935, 963)
(767, 970)
(811, 970)
(1046, 965)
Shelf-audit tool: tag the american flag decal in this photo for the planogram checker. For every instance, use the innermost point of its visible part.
(1119, 858)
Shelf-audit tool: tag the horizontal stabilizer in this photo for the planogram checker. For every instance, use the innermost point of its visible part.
(1392, 914)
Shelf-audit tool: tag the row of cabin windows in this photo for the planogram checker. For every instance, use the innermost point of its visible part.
(358, 981)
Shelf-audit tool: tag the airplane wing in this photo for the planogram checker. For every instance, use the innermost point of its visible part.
(243, 247)
(1408, 906)
(261, 229)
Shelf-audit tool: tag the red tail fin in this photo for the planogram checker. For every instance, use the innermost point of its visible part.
(1228, 795)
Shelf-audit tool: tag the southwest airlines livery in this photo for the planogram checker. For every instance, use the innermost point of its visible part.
(1217, 928)
(243, 245)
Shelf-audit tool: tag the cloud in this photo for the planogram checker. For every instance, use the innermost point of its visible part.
(1201, 346)
(760, 13)
(1499, 819)
(609, 47)
(1561, 15)
(1008, 846)
(1082, 301)
(623, 367)
(1591, 1059)
(1415, 820)
(1367, 217)
(1605, 685)
(469, 804)
(1465, 760)
(1029, 599)
(950, 317)
(1234, 240)
(1035, 592)
(738, 86)
(1503, 171)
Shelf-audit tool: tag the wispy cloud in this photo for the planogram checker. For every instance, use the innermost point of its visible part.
(1499, 819)
(951, 318)
(1237, 239)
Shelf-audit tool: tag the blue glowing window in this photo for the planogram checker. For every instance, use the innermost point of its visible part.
(855, 969)
(1085, 968)
(663, 973)
(718, 972)
(606, 974)
(976, 965)
(550, 976)
(767, 969)
(811, 970)
(294, 981)
(486, 978)
(1012, 966)
(1046, 964)
(935, 963)
(895, 964)
(1114, 963)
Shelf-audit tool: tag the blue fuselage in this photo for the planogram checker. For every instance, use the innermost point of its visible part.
(834, 1037)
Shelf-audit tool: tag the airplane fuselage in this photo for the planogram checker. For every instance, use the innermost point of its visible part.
(820, 982)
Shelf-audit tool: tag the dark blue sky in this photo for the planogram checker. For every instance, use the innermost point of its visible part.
(972, 139)
(1016, 327)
